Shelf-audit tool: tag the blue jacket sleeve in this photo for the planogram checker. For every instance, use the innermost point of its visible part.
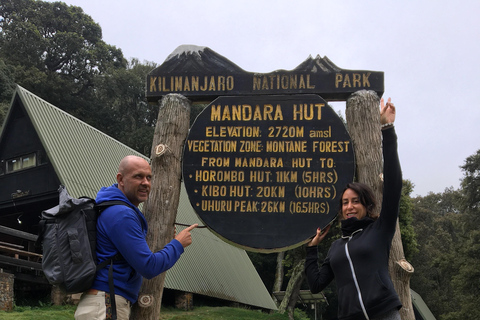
(128, 237)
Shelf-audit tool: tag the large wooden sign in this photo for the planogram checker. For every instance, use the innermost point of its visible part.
(263, 172)
(201, 74)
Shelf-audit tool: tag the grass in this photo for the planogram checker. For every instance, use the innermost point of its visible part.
(39, 313)
(199, 313)
(219, 313)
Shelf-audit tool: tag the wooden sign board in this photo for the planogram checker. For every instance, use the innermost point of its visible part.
(263, 172)
(201, 74)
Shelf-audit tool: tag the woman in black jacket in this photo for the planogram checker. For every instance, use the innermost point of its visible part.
(359, 260)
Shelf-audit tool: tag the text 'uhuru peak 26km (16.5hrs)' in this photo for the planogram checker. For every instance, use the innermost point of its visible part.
(263, 172)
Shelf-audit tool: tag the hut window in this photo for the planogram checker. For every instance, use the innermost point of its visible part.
(22, 162)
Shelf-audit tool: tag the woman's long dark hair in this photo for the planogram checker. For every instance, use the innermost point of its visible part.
(366, 197)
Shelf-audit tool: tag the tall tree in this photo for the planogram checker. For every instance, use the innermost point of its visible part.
(471, 183)
(124, 111)
(405, 220)
(7, 87)
(56, 51)
(446, 225)
(467, 257)
(435, 223)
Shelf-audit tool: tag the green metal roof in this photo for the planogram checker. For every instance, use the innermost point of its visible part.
(421, 306)
(86, 159)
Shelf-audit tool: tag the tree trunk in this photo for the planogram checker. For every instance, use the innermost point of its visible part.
(401, 271)
(277, 285)
(363, 121)
(296, 290)
(161, 207)
(293, 288)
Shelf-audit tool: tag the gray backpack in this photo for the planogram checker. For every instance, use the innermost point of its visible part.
(68, 233)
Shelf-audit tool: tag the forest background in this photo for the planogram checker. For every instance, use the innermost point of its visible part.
(56, 51)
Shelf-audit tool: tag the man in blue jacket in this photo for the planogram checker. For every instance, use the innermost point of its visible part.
(122, 229)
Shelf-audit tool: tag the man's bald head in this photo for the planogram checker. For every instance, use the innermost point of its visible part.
(133, 177)
(130, 161)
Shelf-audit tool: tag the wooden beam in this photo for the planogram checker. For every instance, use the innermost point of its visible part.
(21, 263)
(20, 252)
(18, 233)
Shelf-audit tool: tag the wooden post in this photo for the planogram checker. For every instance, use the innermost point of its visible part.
(6, 291)
(57, 295)
(363, 122)
(161, 207)
(184, 300)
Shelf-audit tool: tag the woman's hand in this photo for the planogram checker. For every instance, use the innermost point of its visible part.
(387, 112)
(318, 237)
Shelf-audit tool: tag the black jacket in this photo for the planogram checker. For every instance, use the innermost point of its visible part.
(359, 260)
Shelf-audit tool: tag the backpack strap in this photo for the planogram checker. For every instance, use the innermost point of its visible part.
(111, 287)
(104, 205)
(41, 232)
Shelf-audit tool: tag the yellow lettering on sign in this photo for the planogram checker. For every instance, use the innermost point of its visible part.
(215, 162)
(330, 146)
(246, 112)
(212, 145)
(250, 162)
(286, 176)
(219, 176)
(216, 205)
(301, 162)
(308, 111)
(352, 80)
(313, 192)
(308, 207)
(191, 84)
(260, 176)
(270, 192)
(245, 206)
(282, 82)
(321, 133)
(286, 146)
(318, 177)
(239, 191)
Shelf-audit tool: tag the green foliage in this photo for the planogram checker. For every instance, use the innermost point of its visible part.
(7, 87)
(54, 37)
(56, 51)
(265, 265)
(300, 315)
(471, 183)
(434, 227)
(410, 246)
(122, 106)
(446, 225)
(196, 110)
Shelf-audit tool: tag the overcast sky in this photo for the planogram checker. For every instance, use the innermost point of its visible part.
(429, 51)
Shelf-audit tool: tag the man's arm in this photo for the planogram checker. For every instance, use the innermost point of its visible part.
(127, 235)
